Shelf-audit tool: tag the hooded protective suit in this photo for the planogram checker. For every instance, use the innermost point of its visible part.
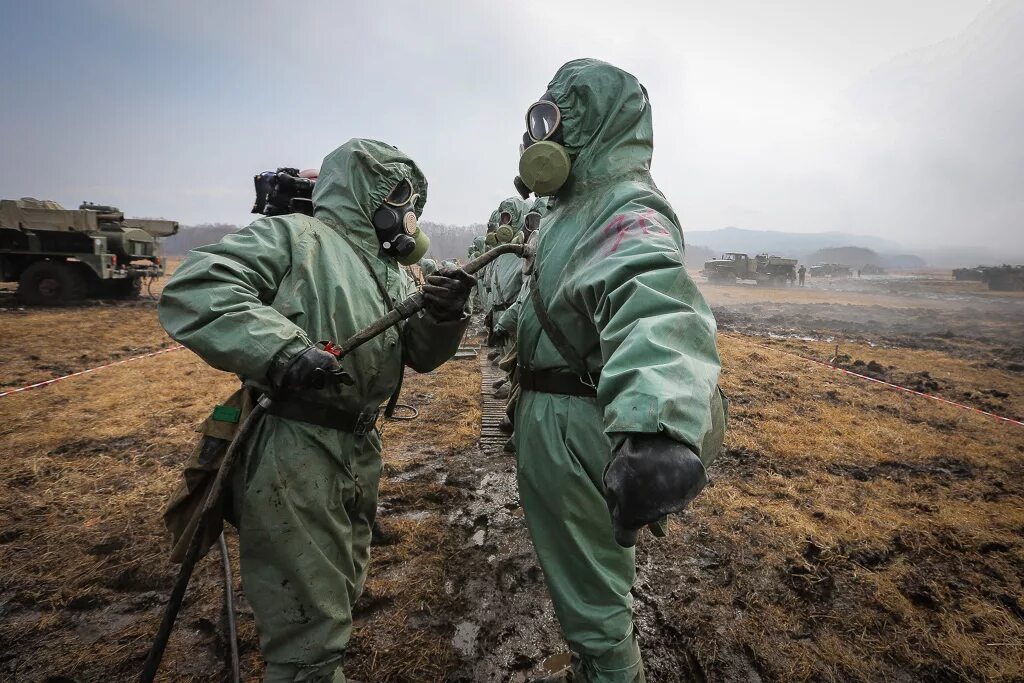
(484, 277)
(507, 322)
(612, 278)
(479, 247)
(305, 495)
(506, 271)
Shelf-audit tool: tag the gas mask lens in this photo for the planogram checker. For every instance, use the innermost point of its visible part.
(505, 218)
(542, 119)
(402, 194)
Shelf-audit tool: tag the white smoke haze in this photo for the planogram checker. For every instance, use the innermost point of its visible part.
(893, 118)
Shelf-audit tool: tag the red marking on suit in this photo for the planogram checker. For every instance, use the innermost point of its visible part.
(642, 223)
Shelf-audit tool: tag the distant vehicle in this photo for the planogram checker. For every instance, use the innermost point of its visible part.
(59, 255)
(829, 270)
(1004, 278)
(763, 269)
(969, 274)
(872, 269)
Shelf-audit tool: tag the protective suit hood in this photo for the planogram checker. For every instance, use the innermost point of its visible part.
(606, 121)
(354, 180)
(479, 243)
(517, 207)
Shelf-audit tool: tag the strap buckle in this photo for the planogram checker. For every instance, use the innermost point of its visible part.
(365, 423)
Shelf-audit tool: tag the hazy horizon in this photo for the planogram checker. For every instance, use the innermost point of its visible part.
(883, 118)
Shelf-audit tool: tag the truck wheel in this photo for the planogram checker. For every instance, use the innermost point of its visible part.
(52, 283)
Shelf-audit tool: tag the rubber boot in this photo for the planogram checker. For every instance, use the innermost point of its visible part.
(503, 391)
(506, 425)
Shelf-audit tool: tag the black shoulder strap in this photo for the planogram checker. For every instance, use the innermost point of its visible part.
(559, 340)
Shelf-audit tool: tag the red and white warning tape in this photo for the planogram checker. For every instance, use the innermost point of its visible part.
(177, 347)
(878, 381)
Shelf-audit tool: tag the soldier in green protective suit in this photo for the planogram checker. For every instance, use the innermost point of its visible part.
(505, 273)
(490, 241)
(255, 304)
(479, 247)
(617, 360)
(505, 325)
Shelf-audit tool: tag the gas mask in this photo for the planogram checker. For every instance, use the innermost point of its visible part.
(491, 240)
(397, 230)
(505, 232)
(544, 163)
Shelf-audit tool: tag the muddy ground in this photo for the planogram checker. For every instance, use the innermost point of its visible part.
(853, 533)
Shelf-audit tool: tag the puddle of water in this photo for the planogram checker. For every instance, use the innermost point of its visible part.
(464, 639)
(556, 664)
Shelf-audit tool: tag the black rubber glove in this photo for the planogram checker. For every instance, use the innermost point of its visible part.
(649, 476)
(310, 369)
(446, 292)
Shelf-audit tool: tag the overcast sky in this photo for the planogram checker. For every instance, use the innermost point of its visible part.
(899, 118)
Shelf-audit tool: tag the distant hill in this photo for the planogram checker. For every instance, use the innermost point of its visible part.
(792, 244)
(810, 247)
(855, 257)
(858, 257)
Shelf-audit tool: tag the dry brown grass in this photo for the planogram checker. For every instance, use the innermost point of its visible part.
(41, 344)
(86, 466)
(854, 533)
(969, 381)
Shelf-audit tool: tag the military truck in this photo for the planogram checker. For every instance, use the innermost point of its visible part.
(763, 269)
(59, 255)
(1004, 278)
(969, 274)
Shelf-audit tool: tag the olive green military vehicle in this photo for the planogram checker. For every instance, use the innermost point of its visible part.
(59, 255)
(1004, 278)
(834, 270)
(762, 269)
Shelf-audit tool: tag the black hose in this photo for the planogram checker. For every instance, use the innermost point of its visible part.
(229, 610)
(195, 546)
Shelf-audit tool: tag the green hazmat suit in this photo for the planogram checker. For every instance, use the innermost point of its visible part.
(506, 271)
(479, 247)
(507, 323)
(305, 496)
(612, 278)
(483, 277)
